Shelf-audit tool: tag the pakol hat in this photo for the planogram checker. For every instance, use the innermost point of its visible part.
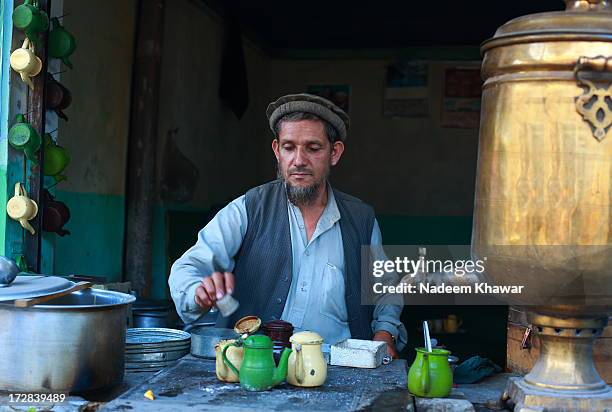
(309, 103)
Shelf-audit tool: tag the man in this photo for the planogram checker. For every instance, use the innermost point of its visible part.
(291, 249)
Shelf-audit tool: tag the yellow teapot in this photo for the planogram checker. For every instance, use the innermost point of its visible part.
(21, 208)
(234, 354)
(307, 367)
(25, 62)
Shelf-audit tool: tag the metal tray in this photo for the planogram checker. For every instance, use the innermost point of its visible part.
(152, 349)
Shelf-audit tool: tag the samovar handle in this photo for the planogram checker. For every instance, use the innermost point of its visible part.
(592, 104)
(599, 63)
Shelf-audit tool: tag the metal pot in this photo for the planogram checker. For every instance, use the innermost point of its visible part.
(74, 343)
(149, 313)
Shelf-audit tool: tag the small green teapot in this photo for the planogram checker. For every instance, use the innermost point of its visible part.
(258, 371)
(55, 160)
(430, 375)
(22, 136)
(61, 42)
(31, 20)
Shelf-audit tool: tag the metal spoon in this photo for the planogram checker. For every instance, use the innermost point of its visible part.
(427, 338)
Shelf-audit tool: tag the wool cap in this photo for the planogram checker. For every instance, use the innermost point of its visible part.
(309, 103)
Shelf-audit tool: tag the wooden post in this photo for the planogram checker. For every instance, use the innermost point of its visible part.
(34, 172)
(140, 188)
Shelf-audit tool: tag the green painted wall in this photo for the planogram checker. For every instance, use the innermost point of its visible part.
(95, 245)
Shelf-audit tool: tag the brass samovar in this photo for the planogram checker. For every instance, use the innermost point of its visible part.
(543, 216)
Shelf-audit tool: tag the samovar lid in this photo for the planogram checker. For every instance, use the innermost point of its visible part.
(589, 20)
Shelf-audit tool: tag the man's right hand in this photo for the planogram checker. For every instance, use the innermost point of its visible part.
(213, 288)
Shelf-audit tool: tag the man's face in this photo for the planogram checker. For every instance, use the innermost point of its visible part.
(304, 154)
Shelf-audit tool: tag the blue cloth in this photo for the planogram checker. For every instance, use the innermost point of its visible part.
(316, 297)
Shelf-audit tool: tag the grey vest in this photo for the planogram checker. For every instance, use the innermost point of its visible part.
(264, 262)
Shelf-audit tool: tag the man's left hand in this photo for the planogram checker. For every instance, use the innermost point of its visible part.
(384, 336)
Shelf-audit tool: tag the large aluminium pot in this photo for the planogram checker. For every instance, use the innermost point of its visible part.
(75, 343)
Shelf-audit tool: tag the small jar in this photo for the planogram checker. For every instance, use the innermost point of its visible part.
(280, 332)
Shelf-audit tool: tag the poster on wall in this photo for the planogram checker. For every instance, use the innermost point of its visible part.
(462, 89)
(338, 94)
(406, 90)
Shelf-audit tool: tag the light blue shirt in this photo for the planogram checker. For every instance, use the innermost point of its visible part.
(316, 299)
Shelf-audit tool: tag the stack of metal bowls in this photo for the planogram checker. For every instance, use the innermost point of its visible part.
(152, 349)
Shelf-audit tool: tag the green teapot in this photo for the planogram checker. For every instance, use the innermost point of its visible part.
(258, 371)
(55, 160)
(22, 136)
(31, 20)
(61, 42)
(430, 375)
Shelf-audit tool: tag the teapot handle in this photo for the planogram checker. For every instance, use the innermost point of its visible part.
(299, 364)
(227, 361)
(425, 381)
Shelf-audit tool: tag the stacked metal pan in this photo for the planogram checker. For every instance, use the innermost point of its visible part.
(152, 349)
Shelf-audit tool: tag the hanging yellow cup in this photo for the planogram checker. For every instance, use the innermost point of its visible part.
(21, 208)
(25, 62)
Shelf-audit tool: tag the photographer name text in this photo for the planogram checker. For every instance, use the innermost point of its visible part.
(440, 289)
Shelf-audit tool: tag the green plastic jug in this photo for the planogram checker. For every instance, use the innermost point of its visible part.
(61, 42)
(22, 136)
(258, 371)
(31, 20)
(56, 159)
(430, 375)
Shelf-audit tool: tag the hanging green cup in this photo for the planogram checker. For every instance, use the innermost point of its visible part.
(61, 42)
(30, 19)
(22, 136)
(56, 159)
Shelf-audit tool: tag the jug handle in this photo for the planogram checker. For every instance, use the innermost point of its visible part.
(425, 374)
(227, 361)
(299, 364)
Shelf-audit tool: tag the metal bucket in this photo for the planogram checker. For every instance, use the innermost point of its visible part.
(74, 343)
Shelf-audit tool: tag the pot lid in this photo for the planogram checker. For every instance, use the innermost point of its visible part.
(581, 20)
(306, 338)
(29, 286)
(248, 324)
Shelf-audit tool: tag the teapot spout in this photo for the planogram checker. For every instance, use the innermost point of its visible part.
(280, 372)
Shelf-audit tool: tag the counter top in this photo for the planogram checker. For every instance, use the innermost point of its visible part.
(192, 385)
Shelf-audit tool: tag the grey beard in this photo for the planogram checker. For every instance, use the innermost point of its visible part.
(301, 196)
